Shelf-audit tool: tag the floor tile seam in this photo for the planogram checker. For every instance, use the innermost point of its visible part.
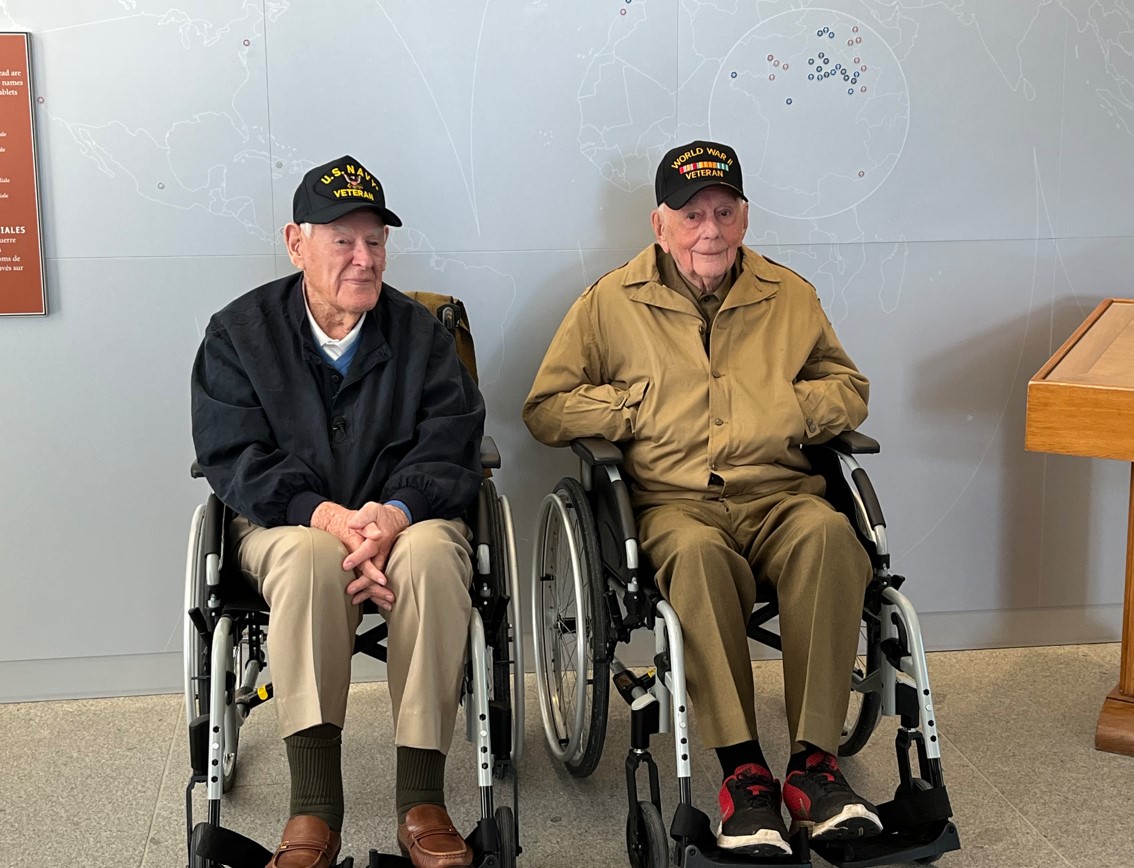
(177, 710)
(1004, 797)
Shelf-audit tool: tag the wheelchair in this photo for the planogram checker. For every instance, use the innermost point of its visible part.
(591, 589)
(225, 653)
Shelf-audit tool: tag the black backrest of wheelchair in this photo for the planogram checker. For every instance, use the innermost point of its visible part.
(825, 463)
(451, 312)
(614, 527)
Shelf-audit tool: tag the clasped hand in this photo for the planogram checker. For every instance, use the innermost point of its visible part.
(369, 534)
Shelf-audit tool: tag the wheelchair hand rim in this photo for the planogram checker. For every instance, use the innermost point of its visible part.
(553, 504)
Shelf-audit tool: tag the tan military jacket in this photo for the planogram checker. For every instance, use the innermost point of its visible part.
(628, 364)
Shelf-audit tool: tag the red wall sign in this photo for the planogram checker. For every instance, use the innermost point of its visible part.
(22, 289)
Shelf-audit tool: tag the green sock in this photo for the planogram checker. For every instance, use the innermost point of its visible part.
(315, 758)
(420, 779)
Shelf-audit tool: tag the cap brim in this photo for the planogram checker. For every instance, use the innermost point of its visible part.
(678, 198)
(335, 210)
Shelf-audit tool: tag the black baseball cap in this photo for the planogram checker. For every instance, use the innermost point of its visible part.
(334, 189)
(688, 169)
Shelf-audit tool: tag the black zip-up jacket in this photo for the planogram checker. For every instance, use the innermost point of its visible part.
(278, 431)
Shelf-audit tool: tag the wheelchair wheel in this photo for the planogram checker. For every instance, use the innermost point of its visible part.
(197, 653)
(506, 832)
(865, 706)
(570, 627)
(507, 669)
(193, 648)
(646, 841)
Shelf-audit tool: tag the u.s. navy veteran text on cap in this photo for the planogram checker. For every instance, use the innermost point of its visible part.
(690, 168)
(334, 189)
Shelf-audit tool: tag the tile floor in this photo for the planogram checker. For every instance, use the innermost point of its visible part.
(102, 782)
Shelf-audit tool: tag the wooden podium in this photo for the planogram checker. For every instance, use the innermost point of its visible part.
(1081, 402)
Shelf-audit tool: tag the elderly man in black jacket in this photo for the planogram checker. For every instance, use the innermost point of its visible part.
(331, 413)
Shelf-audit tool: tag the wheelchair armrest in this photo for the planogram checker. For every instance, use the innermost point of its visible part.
(489, 454)
(596, 451)
(853, 443)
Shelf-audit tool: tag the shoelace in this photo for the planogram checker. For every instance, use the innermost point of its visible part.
(825, 775)
(754, 790)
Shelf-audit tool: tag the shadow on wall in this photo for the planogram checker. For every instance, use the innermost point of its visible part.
(1038, 538)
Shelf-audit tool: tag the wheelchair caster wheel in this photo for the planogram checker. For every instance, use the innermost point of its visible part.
(506, 832)
(647, 843)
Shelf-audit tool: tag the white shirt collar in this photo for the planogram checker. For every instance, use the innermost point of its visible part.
(333, 348)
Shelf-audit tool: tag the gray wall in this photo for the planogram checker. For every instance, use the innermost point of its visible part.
(517, 140)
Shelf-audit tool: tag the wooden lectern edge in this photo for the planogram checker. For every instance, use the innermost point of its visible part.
(1085, 326)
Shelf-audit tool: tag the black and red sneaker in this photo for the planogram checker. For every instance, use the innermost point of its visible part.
(751, 817)
(821, 798)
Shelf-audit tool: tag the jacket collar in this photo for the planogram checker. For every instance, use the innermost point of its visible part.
(757, 281)
(373, 347)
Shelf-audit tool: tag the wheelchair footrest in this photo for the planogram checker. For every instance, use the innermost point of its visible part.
(384, 860)
(698, 845)
(231, 849)
(892, 847)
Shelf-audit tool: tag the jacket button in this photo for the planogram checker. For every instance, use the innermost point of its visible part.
(716, 375)
(718, 422)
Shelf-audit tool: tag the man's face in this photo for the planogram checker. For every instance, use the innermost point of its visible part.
(342, 262)
(704, 234)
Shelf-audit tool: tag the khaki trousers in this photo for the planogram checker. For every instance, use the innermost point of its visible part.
(298, 571)
(706, 554)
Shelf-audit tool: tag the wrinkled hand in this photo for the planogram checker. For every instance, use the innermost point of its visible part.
(368, 534)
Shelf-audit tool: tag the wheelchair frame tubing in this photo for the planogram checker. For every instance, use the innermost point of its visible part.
(221, 654)
(876, 533)
(914, 672)
(670, 693)
(477, 712)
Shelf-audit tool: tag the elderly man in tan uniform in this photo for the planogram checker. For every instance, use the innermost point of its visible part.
(711, 365)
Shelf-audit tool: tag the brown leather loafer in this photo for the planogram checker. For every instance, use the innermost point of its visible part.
(430, 840)
(307, 842)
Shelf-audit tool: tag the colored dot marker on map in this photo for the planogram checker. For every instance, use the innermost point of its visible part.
(863, 88)
(771, 56)
(853, 29)
(621, 11)
(850, 90)
(858, 39)
(733, 75)
(160, 185)
(862, 174)
(785, 66)
(247, 42)
(39, 100)
(771, 76)
(789, 100)
(775, 63)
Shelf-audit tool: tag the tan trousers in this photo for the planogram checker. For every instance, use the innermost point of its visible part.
(706, 554)
(298, 571)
